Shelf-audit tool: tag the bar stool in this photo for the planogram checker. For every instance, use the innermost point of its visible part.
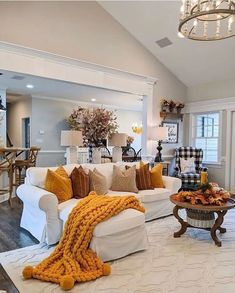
(23, 165)
(6, 166)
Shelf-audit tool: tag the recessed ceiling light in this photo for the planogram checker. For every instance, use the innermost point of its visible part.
(93, 99)
(30, 86)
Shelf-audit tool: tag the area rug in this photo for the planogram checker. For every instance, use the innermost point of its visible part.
(191, 263)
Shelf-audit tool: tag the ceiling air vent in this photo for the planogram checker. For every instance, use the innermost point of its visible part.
(18, 77)
(164, 42)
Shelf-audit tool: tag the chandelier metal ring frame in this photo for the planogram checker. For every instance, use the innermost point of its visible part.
(203, 17)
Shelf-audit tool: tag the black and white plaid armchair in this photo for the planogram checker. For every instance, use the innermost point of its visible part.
(189, 180)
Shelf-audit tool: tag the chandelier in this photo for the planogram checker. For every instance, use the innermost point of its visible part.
(207, 20)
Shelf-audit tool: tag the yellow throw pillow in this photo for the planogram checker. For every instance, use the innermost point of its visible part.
(59, 183)
(156, 176)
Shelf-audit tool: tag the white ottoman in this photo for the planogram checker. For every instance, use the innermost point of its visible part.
(117, 237)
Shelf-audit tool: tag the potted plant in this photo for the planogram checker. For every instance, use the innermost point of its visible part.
(179, 107)
(164, 104)
(171, 106)
(96, 124)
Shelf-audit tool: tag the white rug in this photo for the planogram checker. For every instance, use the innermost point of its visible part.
(191, 264)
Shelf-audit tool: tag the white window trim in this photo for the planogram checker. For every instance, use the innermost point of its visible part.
(192, 134)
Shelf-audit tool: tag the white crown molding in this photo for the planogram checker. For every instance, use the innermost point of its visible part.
(87, 104)
(210, 105)
(25, 60)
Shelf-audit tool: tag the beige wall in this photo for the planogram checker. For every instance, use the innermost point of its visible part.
(84, 30)
(210, 91)
(16, 112)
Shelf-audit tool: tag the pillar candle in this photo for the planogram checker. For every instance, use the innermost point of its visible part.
(203, 177)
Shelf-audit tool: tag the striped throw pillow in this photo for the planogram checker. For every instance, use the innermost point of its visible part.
(143, 179)
(80, 182)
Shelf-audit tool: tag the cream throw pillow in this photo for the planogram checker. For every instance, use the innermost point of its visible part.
(98, 182)
(124, 180)
(187, 166)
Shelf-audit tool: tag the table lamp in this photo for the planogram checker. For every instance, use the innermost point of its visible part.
(71, 139)
(159, 134)
(118, 140)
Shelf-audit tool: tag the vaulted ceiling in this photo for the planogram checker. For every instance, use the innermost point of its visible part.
(193, 62)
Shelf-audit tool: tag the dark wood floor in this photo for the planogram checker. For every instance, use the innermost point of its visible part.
(11, 235)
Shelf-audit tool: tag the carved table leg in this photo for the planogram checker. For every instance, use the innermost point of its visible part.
(184, 224)
(217, 226)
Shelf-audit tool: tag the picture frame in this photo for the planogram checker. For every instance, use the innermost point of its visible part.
(173, 131)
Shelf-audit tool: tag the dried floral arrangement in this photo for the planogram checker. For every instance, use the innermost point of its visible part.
(96, 124)
(129, 140)
(171, 105)
(207, 194)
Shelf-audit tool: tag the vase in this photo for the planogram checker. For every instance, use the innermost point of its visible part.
(96, 155)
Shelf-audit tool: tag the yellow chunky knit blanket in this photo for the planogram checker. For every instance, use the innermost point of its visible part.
(72, 260)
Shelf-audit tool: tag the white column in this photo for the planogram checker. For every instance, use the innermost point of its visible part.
(3, 118)
(147, 121)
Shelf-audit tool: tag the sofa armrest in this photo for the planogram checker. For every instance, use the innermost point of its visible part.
(172, 183)
(35, 198)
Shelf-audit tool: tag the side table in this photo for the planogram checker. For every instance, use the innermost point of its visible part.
(197, 214)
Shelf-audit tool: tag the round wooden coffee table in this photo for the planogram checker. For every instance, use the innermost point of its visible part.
(202, 217)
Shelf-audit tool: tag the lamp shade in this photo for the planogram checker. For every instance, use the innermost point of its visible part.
(71, 138)
(118, 140)
(158, 133)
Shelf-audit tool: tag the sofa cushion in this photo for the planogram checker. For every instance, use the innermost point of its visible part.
(80, 182)
(123, 193)
(59, 183)
(154, 195)
(143, 179)
(105, 169)
(37, 175)
(156, 176)
(124, 221)
(124, 180)
(98, 182)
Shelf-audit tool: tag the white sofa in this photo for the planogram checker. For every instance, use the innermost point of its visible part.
(44, 217)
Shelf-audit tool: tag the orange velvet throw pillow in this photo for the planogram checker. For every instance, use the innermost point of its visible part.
(156, 176)
(59, 183)
(80, 182)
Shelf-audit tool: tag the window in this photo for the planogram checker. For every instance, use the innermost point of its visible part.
(206, 135)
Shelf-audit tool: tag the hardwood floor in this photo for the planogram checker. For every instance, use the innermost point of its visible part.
(11, 235)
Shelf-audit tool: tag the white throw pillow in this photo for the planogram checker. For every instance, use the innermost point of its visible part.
(187, 166)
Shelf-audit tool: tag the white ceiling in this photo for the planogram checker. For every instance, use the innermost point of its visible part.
(193, 62)
(44, 87)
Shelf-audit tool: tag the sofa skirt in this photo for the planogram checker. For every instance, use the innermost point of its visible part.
(158, 209)
(121, 244)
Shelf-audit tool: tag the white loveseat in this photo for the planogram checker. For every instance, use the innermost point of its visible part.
(44, 217)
